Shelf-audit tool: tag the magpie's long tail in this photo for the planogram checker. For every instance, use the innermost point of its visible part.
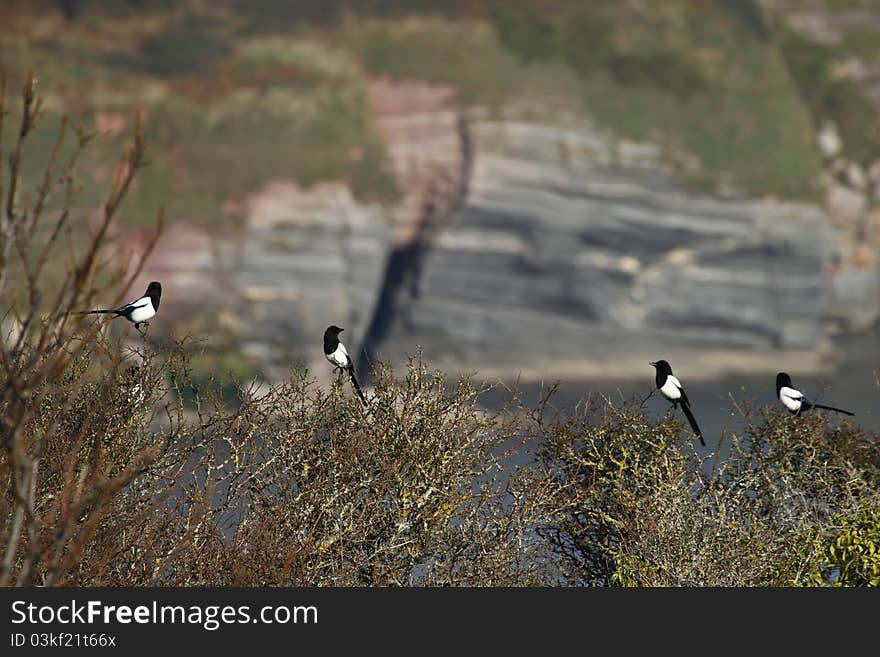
(831, 408)
(96, 312)
(357, 387)
(693, 422)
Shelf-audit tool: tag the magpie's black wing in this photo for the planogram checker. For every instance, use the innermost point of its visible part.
(684, 398)
(133, 305)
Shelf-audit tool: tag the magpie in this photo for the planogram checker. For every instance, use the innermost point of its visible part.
(794, 400)
(139, 310)
(336, 353)
(670, 387)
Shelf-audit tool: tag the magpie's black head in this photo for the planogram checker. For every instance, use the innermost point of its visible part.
(154, 291)
(331, 338)
(663, 368)
(333, 331)
(783, 380)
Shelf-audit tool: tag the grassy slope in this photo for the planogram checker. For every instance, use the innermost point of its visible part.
(225, 110)
(827, 93)
(233, 99)
(702, 78)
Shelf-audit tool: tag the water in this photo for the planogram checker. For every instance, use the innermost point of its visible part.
(854, 386)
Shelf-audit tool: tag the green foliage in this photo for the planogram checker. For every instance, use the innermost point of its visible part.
(589, 41)
(372, 178)
(528, 35)
(862, 43)
(699, 78)
(850, 551)
(702, 79)
(188, 47)
(831, 97)
(465, 54)
(226, 109)
(848, 4)
(306, 137)
(278, 16)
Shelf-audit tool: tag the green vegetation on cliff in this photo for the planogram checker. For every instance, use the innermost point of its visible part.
(236, 94)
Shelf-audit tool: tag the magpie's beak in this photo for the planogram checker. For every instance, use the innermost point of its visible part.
(652, 363)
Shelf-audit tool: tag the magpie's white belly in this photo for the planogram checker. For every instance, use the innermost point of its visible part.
(790, 403)
(143, 314)
(670, 390)
(339, 358)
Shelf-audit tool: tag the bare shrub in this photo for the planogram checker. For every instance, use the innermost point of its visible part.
(641, 510)
(48, 350)
(302, 486)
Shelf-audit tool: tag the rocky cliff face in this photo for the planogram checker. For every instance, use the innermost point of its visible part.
(522, 246)
(309, 259)
(575, 256)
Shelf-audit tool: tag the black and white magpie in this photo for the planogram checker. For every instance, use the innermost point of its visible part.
(336, 353)
(138, 311)
(794, 400)
(671, 388)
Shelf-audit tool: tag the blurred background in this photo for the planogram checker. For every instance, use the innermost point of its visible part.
(532, 190)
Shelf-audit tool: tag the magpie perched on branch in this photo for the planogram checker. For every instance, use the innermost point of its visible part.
(671, 388)
(794, 400)
(336, 353)
(139, 310)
